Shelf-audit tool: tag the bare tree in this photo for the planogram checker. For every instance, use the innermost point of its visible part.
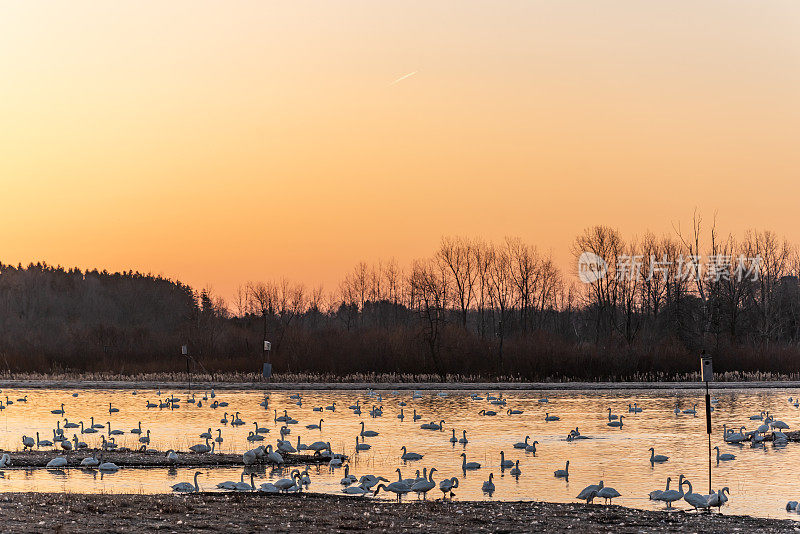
(430, 290)
(457, 257)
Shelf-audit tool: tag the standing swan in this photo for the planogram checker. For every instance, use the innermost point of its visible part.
(447, 485)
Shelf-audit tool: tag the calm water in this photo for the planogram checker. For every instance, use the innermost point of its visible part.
(761, 480)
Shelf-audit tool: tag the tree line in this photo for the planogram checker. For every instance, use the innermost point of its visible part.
(474, 308)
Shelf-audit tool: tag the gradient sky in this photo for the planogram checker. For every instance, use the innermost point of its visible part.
(220, 142)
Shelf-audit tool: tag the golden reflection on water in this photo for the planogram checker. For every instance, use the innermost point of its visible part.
(761, 480)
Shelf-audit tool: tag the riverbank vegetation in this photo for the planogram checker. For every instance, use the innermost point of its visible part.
(474, 309)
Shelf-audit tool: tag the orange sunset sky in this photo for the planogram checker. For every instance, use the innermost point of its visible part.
(221, 142)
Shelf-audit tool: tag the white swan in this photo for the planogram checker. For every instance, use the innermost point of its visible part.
(348, 479)
(432, 425)
(355, 490)
(562, 473)
(58, 461)
(244, 486)
(505, 463)
(43, 442)
(725, 456)
(657, 458)
(316, 427)
(89, 430)
(27, 442)
(616, 424)
(268, 487)
(463, 440)
(425, 485)
(515, 472)
(91, 461)
(468, 466)
(5, 460)
(589, 492)
(522, 445)
(718, 499)
(532, 447)
(362, 446)
(656, 493)
(670, 496)
(230, 484)
(273, 456)
(488, 485)
(200, 448)
(367, 433)
(608, 493)
(285, 483)
(548, 417)
(369, 481)
(697, 500)
(409, 456)
(448, 485)
(109, 467)
(186, 487)
(398, 488)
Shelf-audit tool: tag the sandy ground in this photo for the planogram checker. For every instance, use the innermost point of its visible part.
(387, 386)
(252, 512)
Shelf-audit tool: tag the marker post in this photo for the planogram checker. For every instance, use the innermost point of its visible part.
(707, 375)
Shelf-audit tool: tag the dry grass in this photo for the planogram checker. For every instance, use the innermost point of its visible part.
(376, 378)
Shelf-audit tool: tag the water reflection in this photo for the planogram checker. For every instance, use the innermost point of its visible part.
(618, 455)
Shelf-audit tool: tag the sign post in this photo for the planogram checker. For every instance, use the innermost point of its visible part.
(266, 371)
(185, 353)
(707, 375)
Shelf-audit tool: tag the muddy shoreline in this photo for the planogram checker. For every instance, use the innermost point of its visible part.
(253, 512)
(387, 386)
(39, 458)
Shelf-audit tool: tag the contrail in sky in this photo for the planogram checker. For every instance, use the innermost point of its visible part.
(401, 78)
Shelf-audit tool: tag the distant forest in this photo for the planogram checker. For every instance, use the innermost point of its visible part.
(473, 308)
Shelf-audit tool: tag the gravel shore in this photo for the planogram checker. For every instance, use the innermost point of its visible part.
(253, 512)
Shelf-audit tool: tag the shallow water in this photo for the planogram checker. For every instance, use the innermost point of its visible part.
(761, 480)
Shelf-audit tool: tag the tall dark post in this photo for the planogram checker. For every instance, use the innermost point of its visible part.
(707, 375)
(266, 370)
(185, 353)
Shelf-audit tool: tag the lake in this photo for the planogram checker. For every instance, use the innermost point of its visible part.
(761, 480)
